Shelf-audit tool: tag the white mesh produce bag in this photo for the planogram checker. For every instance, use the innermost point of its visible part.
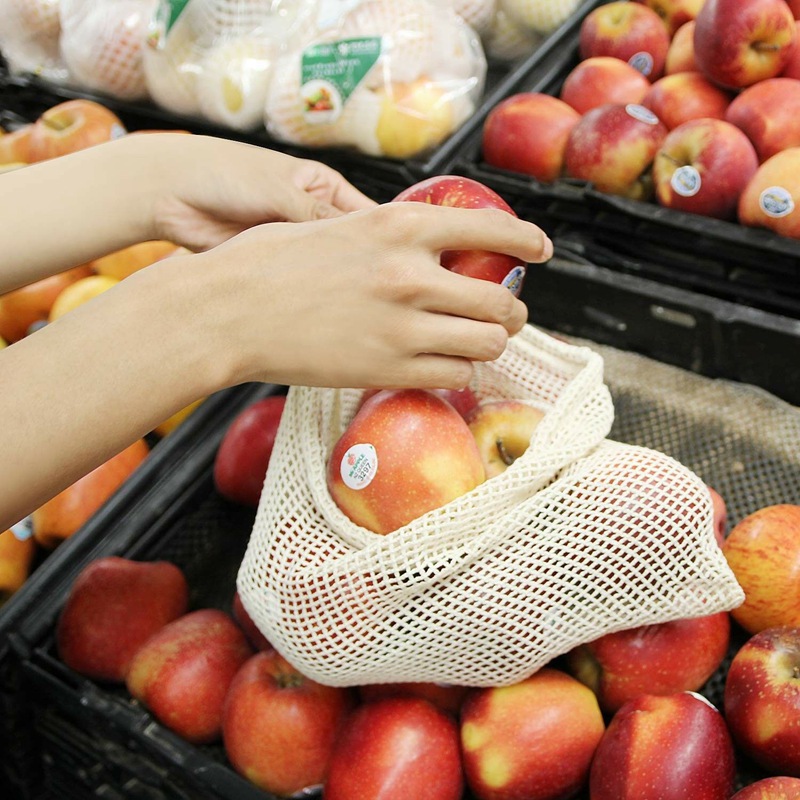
(390, 78)
(29, 37)
(579, 537)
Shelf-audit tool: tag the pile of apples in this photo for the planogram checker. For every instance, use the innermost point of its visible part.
(619, 718)
(688, 103)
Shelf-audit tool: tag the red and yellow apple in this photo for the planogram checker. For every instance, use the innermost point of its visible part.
(740, 42)
(779, 788)
(80, 292)
(677, 98)
(463, 400)
(674, 13)
(763, 551)
(461, 192)
(527, 133)
(792, 68)
(16, 559)
(15, 145)
(772, 197)
(443, 695)
(632, 32)
(534, 739)
(680, 56)
(613, 147)
(762, 699)
(131, 259)
(279, 727)
(245, 622)
(703, 166)
(599, 80)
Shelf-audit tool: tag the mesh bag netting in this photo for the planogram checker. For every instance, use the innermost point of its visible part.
(579, 537)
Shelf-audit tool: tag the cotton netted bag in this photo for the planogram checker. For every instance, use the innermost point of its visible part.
(578, 537)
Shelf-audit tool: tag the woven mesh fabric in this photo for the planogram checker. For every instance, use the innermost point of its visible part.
(579, 537)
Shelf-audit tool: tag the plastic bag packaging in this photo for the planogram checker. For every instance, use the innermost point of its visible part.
(214, 58)
(29, 37)
(507, 40)
(102, 44)
(579, 537)
(389, 78)
(539, 16)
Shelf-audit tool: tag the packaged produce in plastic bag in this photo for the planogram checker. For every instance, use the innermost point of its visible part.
(389, 78)
(102, 44)
(29, 37)
(214, 58)
(579, 537)
(539, 16)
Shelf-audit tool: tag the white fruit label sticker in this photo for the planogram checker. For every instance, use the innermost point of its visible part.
(359, 466)
(513, 281)
(642, 61)
(641, 113)
(686, 181)
(776, 202)
(23, 530)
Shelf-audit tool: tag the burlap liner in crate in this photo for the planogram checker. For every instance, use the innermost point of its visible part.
(581, 536)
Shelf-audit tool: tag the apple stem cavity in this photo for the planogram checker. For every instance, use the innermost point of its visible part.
(765, 47)
(506, 457)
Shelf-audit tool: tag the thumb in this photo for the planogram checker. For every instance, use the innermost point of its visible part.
(304, 207)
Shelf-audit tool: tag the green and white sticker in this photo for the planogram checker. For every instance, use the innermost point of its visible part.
(330, 73)
(166, 15)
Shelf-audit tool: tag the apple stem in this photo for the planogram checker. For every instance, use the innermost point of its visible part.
(765, 47)
(507, 458)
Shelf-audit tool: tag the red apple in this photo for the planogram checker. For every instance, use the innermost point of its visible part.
(244, 453)
(462, 400)
(182, 672)
(406, 452)
(279, 727)
(664, 748)
(453, 190)
(114, 606)
(762, 699)
(600, 80)
(768, 113)
(720, 515)
(794, 6)
(674, 13)
(613, 147)
(443, 695)
(527, 133)
(503, 431)
(680, 56)
(15, 145)
(61, 516)
(629, 31)
(245, 622)
(740, 42)
(677, 98)
(534, 739)
(763, 551)
(652, 659)
(772, 198)
(782, 788)
(792, 68)
(396, 747)
(703, 167)
(73, 125)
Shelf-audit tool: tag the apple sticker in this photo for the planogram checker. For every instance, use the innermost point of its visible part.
(359, 466)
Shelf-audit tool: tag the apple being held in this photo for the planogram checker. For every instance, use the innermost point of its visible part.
(527, 133)
(183, 671)
(768, 113)
(680, 56)
(613, 147)
(599, 80)
(763, 551)
(72, 125)
(279, 727)
(453, 190)
(674, 13)
(652, 659)
(778, 788)
(462, 400)
(703, 166)
(772, 198)
(405, 452)
(400, 746)
(676, 99)
(762, 699)
(534, 739)
(503, 431)
(114, 606)
(668, 747)
(629, 31)
(242, 459)
(740, 42)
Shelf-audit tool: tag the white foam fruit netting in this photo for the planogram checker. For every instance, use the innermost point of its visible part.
(579, 537)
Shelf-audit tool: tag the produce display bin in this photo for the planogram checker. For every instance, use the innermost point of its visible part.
(140, 503)
(723, 259)
(92, 740)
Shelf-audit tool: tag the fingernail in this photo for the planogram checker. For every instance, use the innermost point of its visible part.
(547, 249)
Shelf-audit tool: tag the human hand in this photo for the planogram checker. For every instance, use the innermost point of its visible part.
(237, 186)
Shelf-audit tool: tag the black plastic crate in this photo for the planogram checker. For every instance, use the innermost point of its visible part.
(93, 740)
(143, 500)
(723, 259)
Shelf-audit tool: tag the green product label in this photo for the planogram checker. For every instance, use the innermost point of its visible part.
(330, 73)
(174, 8)
(165, 16)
